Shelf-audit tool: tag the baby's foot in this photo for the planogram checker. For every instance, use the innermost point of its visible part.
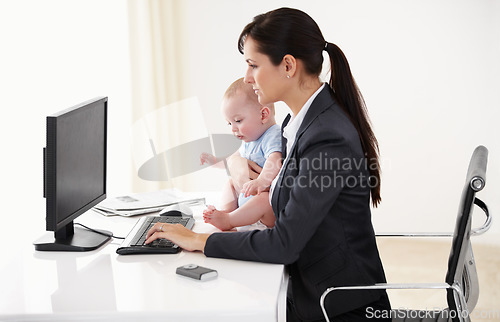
(219, 219)
(207, 212)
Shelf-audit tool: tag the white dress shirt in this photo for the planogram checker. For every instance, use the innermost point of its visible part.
(290, 132)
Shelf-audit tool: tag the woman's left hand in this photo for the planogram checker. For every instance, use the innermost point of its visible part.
(178, 234)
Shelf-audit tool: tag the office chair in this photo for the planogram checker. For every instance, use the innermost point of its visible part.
(461, 282)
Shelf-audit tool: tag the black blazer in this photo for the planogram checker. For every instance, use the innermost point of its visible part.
(323, 229)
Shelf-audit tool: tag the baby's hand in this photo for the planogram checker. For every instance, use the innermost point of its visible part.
(207, 158)
(254, 187)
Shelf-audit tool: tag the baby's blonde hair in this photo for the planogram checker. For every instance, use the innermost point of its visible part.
(239, 86)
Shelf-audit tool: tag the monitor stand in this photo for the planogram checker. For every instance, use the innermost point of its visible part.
(82, 240)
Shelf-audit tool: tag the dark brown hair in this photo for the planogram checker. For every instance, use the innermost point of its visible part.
(290, 31)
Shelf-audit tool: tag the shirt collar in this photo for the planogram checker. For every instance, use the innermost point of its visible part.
(290, 130)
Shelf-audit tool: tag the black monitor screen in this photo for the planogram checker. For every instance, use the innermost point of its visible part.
(80, 155)
(75, 165)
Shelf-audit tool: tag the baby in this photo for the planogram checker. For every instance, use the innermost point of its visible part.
(256, 126)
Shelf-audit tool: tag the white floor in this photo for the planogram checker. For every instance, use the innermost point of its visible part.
(425, 260)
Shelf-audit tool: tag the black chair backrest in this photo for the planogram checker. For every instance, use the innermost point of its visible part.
(475, 181)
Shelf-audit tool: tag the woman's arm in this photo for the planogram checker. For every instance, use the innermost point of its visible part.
(311, 196)
(310, 189)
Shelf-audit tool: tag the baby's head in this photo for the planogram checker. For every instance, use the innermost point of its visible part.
(243, 112)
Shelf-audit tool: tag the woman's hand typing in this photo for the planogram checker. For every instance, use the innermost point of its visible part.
(178, 234)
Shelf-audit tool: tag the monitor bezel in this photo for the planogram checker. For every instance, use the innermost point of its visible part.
(53, 223)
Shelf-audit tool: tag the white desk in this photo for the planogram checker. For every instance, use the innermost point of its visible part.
(103, 286)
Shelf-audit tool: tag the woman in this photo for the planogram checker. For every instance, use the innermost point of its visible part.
(321, 198)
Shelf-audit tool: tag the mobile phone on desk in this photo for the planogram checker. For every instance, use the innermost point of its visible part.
(196, 272)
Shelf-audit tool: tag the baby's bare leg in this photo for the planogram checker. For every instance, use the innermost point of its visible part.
(229, 202)
(255, 209)
(268, 218)
(229, 199)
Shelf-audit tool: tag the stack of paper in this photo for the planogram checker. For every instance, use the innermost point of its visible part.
(142, 203)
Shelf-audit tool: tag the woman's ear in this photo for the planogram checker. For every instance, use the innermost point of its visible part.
(290, 64)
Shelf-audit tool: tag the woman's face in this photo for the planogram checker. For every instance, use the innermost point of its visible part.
(267, 79)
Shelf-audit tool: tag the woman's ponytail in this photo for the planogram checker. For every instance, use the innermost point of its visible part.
(347, 94)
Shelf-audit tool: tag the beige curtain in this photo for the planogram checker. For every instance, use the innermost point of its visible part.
(161, 98)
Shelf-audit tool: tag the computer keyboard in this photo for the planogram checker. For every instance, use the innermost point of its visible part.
(134, 242)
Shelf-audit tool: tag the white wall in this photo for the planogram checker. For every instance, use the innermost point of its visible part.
(429, 71)
(55, 54)
(430, 75)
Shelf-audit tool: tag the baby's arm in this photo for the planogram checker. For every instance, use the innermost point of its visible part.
(208, 158)
(212, 160)
(270, 170)
(242, 170)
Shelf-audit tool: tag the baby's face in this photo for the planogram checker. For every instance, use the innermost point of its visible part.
(244, 117)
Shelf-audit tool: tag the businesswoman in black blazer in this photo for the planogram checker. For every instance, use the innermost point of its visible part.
(321, 198)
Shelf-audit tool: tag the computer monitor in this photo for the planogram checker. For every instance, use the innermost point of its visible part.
(74, 175)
